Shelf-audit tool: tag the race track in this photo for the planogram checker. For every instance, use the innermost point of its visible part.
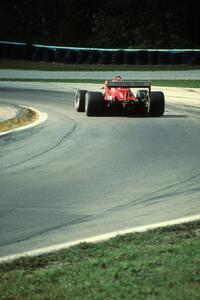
(73, 177)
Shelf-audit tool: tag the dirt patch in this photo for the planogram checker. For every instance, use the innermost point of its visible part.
(25, 116)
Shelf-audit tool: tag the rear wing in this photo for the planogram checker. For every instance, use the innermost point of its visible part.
(129, 84)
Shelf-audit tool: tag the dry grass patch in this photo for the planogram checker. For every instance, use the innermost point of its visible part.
(25, 116)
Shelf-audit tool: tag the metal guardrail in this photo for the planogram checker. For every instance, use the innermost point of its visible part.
(51, 53)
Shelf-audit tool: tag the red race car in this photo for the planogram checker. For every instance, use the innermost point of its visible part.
(119, 94)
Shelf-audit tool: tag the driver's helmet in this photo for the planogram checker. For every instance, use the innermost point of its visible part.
(117, 78)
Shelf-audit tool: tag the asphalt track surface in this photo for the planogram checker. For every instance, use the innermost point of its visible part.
(30, 74)
(73, 177)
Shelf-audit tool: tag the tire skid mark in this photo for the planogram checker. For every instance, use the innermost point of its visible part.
(67, 135)
(163, 193)
(80, 219)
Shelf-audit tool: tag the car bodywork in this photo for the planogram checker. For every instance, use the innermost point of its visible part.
(122, 95)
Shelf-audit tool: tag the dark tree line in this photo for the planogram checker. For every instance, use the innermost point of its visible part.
(100, 23)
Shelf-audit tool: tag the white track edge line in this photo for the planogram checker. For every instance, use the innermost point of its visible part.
(42, 118)
(98, 238)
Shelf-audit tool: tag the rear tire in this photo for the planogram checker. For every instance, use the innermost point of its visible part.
(93, 103)
(79, 100)
(157, 104)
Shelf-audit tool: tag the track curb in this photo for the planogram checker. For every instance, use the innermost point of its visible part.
(98, 238)
(42, 118)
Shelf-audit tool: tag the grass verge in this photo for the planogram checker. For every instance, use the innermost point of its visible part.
(168, 83)
(46, 66)
(158, 264)
(25, 116)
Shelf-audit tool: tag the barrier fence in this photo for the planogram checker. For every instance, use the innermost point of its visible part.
(68, 55)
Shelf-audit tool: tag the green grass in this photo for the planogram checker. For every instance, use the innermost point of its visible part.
(177, 83)
(45, 66)
(158, 264)
(172, 83)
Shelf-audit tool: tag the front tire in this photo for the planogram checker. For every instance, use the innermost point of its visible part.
(93, 103)
(79, 100)
(157, 104)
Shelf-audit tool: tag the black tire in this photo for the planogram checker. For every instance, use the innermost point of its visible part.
(38, 53)
(117, 57)
(93, 103)
(152, 57)
(28, 51)
(195, 60)
(82, 56)
(59, 55)
(163, 57)
(157, 104)
(129, 57)
(141, 57)
(79, 100)
(6, 50)
(16, 53)
(93, 57)
(70, 56)
(105, 57)
(49, 55)
(176, 58)
(187, 56)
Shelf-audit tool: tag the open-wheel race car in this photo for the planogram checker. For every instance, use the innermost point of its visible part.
(119, 94)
